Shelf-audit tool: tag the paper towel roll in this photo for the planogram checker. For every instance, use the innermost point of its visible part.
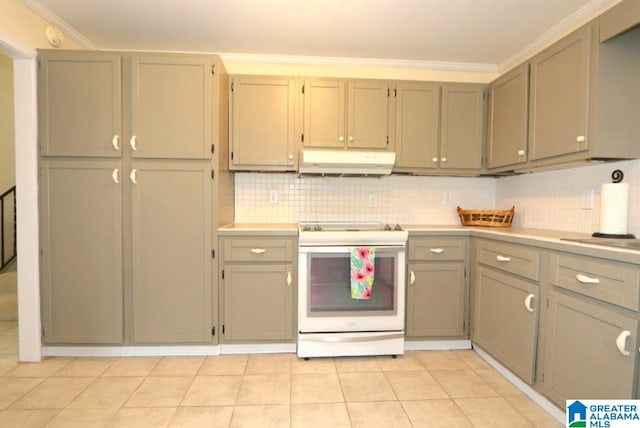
(614, 206)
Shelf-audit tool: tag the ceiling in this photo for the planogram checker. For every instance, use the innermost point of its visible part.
(480, 33)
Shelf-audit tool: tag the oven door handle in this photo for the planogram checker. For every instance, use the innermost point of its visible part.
(329, 338)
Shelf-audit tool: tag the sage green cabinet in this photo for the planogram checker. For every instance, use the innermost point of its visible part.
(439, 128)
(258, 291)
(89, 122)
(437, 288)
(620, 18)
(350, 114)
(262, 123)
(506, 294)
(171, 250)
(591, 351)
(82, 270)
(508, 119)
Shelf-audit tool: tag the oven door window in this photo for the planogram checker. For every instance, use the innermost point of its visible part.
(329, 285)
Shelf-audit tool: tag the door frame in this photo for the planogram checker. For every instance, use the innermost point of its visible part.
(26, 159)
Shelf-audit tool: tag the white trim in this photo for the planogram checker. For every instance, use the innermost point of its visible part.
(522, 386)
(351, 62)
(436, 345)
(26, 159)
(585, 14)
(129, 351)
(262, 348)
(67, 29)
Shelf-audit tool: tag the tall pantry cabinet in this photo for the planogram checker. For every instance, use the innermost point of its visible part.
(133, 184)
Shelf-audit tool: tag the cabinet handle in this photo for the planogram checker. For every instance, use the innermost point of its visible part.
(133, 176)
(580, 139)
(520, 152)
(527, 302)
(621, 341)
(503, 259)
(412, 277)
(584, 279)
(133, 143)
(258, 250)
(115, 174)
(434, 159)
(289, 278)
(115, 142)
(437, 250)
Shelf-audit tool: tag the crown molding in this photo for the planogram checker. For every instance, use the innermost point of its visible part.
(583, 15)
(362, 62)
(67, 29)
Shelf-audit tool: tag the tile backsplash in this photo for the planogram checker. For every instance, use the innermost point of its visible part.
(555, 200)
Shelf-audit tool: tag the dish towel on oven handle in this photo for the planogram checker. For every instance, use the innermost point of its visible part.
(362, 271)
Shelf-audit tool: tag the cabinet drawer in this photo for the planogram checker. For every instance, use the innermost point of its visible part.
(516, 259)
(608, 281)
(437, 248)
(258, 250)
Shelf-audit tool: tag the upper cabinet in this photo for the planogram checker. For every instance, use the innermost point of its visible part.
(507, 118)
(89, 123)
(559, 97)
(623, 17)
(163, 114)
(439, 128)
(262, 123)
(350, 114)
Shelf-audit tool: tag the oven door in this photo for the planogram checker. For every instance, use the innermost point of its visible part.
(324, 291)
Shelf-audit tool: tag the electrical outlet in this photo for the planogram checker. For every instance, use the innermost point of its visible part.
(446, 199)
(587, 200)
(373, 200)
(273, 196)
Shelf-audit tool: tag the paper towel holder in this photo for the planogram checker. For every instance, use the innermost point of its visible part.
(616, 177)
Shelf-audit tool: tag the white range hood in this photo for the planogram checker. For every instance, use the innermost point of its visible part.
(345, 162)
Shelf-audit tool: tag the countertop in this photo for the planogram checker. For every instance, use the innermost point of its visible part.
(548, 239)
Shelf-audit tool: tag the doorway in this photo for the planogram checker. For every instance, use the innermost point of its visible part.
(26, 179)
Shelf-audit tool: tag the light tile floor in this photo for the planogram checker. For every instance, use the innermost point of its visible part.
(451, 389)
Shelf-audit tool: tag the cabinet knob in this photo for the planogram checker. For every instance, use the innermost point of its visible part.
(580, 139)
(520, 152)
(115, 142)
(444, 160)
(290, 157)
(527, 302)
(341, 138)
(621, 342)
(350, 138)
(434, 159)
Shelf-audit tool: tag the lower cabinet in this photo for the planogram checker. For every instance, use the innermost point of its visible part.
(258, 283)
(590, 351)
(437, 288)
(506, 320)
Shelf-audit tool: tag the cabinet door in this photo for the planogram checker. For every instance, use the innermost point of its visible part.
(79, 104)
(506, 319)
(462, 135)
(508, 112)
(81, 214)
(417, 125)
(436, 300)
(582, 359)
(262, 122)
(367, 114)
(171, 247)
(559, 97)
(171, 106)
(258, 302)
(324, 113)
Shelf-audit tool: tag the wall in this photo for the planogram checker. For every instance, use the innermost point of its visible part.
(399, 198)
(7, 146)
(554, 199)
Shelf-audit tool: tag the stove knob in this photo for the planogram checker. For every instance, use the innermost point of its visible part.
(387, 227)
(317, 228)
(397, 227)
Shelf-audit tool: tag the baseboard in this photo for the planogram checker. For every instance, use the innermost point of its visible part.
(436, 345)
(130, 351)
(262, 348)
(534, 395)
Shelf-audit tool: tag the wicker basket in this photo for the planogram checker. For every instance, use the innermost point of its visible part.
(490, 218)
